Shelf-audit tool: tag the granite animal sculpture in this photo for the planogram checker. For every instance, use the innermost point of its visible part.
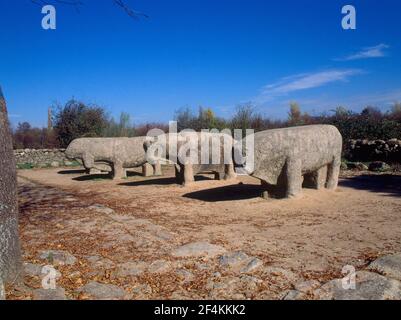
(217, 160)
(10, 259)
(115, 154)
(284, 157)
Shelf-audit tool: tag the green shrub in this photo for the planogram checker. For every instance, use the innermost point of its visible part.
(25, 166)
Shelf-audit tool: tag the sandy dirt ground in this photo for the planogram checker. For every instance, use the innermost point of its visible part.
(309, 238)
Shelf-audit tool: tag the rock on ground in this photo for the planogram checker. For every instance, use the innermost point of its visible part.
(369, 286)
(294, 295)
(389, 266)
(233, 259)
(240, 261)
(32, 269)
(307, 286)
(99, 262)
(252, 265)
(35, 270)
(159, 266)
(102, 291)
(282, 274)
(142, 292)
(58, 257)
(132, 268)
(198, 249)
(49, 294)
(302, 290)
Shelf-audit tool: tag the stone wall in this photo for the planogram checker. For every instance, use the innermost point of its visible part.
(42, 158)
(357, 150)
(376, 150)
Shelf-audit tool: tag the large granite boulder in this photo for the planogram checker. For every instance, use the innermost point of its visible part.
(389, 266)
(283, 157)
(368, 286)
(194, 152)
(10, 264)
(116, 153)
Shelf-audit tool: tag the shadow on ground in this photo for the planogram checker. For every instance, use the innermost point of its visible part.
(73, 171)
(159, 181)
(227, 193)
(387, 183)
(90, 177)
(134, 174)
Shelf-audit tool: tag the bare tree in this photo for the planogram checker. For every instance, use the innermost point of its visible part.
(10, 254)
(78, 3)
(9, 237)
(132, 13)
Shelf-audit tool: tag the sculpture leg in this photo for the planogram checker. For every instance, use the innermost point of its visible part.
(321, 178)
(157, 169)
(147, 170)
(294, 178)
(118, 170)
(188, 174)
(333, 174)
(88, 162)
(230, 172)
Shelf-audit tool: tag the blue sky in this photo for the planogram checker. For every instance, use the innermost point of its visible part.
(200, 52)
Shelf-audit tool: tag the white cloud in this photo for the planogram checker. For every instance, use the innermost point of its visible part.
(366, 53)
(303, 82)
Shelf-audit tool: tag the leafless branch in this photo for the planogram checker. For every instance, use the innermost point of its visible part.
(133, 14)
(77, 3)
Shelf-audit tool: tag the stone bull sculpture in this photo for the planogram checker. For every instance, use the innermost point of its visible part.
(116, 153)
(284, 157)
(216, 158)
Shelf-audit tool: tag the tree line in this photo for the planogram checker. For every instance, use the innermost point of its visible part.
(76, 119)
